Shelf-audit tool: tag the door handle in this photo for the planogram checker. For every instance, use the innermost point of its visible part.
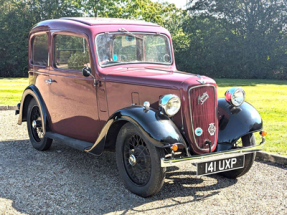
(49, 81)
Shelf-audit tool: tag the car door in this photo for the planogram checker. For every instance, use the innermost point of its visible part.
(73, 101)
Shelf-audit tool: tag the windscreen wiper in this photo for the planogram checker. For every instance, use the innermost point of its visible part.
(129, 33)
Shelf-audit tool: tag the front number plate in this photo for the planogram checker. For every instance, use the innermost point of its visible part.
(222, 165)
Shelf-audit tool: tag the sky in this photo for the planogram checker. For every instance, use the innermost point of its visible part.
(178, 3)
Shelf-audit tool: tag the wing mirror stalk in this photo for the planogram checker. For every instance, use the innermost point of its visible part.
(87, 71)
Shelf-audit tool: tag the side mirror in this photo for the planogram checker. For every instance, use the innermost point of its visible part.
(87, 71)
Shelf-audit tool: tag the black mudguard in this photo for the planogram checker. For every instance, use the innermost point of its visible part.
(156, 127)
(235, 122)
(29, 93)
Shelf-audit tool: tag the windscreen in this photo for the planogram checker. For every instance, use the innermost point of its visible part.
(121, 48)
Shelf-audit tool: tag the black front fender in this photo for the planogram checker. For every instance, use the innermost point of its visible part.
(235, 122)
(157, 128)
(29, 93)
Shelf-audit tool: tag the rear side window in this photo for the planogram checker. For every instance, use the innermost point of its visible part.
(40, 50)
(70, 52)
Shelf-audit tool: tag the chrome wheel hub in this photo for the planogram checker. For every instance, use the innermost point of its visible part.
(34, 124)
(137, 160)
(132, 160)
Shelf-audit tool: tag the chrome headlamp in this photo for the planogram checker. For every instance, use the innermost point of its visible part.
(170, 104)
(235, 96)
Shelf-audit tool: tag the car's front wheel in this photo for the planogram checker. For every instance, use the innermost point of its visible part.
(247, 140)
(35, 128)
(138, 162)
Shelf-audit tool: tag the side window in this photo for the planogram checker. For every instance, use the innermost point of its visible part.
(70, 52)
(40, 50)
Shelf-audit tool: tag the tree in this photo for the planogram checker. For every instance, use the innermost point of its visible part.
(14, 20)
(253, 35)
(17, 18)
(51, 9)
(102, 8)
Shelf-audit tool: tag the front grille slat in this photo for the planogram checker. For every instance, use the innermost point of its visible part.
(202, 101)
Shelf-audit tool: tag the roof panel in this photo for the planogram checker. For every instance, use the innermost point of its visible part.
(108, 21)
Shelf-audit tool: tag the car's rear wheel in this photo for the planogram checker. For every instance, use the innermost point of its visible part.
(247, 140)
(138, 162)
(35, 128)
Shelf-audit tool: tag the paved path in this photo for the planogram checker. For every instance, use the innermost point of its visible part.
(66, 181)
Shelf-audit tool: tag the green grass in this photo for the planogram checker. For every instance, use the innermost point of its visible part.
(269, 97)
(11, 90)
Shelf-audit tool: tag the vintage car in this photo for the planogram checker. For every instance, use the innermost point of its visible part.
(100, 84)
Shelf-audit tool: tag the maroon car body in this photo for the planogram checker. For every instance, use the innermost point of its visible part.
(85, 110)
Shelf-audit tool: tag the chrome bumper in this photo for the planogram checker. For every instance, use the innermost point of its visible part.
(212, 156)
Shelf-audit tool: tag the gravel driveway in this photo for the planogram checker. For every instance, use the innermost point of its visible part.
(66, 181)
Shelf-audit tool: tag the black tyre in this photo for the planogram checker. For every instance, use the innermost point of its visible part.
(247, 140)
(37, 138)
(138, 162)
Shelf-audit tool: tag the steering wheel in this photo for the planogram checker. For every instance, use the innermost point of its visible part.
(166, 58)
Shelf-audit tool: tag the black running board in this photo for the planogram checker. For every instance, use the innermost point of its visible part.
(74, 143)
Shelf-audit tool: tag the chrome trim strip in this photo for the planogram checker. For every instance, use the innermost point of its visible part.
(211, 156)
(215, 121)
